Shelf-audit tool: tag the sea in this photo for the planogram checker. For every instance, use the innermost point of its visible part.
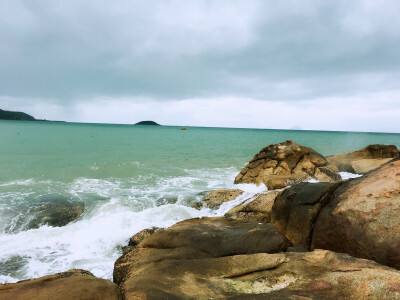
(129, 178)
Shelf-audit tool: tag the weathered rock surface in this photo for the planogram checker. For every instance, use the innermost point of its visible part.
(363, 217)
(73, 284)
(287, 163)
(217, 197)
(363, 166)
(372, 157)
(319, 274)
(297, 208)
(195, 244)
(258, 210)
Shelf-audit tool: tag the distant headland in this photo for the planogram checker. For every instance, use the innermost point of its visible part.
(147, 123)
(15, 115)
(19, 116)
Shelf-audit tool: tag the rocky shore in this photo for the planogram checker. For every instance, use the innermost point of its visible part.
(335, 239)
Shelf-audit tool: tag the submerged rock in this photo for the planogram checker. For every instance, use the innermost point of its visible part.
(258, 210)
(217, 197)
(73, 284)
(58, 213)
(363, 160)
(287, 163)
(212, 244)
(51, 210)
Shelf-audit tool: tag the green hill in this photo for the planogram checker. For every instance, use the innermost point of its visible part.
(15, 115)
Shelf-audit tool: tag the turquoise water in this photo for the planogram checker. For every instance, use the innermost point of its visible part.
(128, 177)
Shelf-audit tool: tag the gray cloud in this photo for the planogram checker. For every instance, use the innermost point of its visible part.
(274, 50)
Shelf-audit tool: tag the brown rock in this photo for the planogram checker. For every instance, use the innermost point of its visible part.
(313, 275)
(73, 284)
(363, 217)
(363, 166)
(217, 197)
(297, 208)
(258, 210)
(287, 163)
(345, 162)
(200, 244)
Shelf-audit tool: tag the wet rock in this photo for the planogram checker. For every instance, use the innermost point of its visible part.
(197, 244)
(365, 159)
(258, 210)
(363, 217)
(217, 197)
(57, 214)
(73, 284)
(312, 275)
(287, 163)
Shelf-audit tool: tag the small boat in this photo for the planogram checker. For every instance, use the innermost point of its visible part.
(184, 128)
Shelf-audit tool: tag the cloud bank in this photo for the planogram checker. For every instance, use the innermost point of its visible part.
(64, 60)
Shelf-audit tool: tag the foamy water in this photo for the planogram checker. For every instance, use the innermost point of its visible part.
(94, 241)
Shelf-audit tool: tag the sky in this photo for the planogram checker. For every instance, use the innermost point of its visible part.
(313, 65)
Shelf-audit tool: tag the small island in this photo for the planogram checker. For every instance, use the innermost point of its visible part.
(147, 123)
(15, 115)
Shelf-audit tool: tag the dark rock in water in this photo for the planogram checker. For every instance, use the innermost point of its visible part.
(52, 210)
(73, 284)
(13, 266)
(58, 213)
(287, 163)
(363, 160)
(147, 123)
(15, 115)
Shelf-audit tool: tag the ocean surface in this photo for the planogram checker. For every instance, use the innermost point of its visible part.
(128, 177)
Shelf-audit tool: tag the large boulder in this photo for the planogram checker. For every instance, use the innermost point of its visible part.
(198, 244)
(73, 284)
(217, 197)
(363, 217)
(258, 210)
(319, 274)
(363, 160)
(287, 163)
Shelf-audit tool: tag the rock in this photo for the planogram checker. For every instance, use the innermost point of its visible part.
(73, 284)
(363, 166)
(287, 163)
(217, 197)
(319, 274)
(345, 162)
(297, 208)
(197, 244)
(363, 217)
(58, 213)
(258, 210)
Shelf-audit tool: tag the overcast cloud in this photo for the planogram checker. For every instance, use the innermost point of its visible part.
(332, 65)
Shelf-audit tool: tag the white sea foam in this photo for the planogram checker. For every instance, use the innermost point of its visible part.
(115, 210)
